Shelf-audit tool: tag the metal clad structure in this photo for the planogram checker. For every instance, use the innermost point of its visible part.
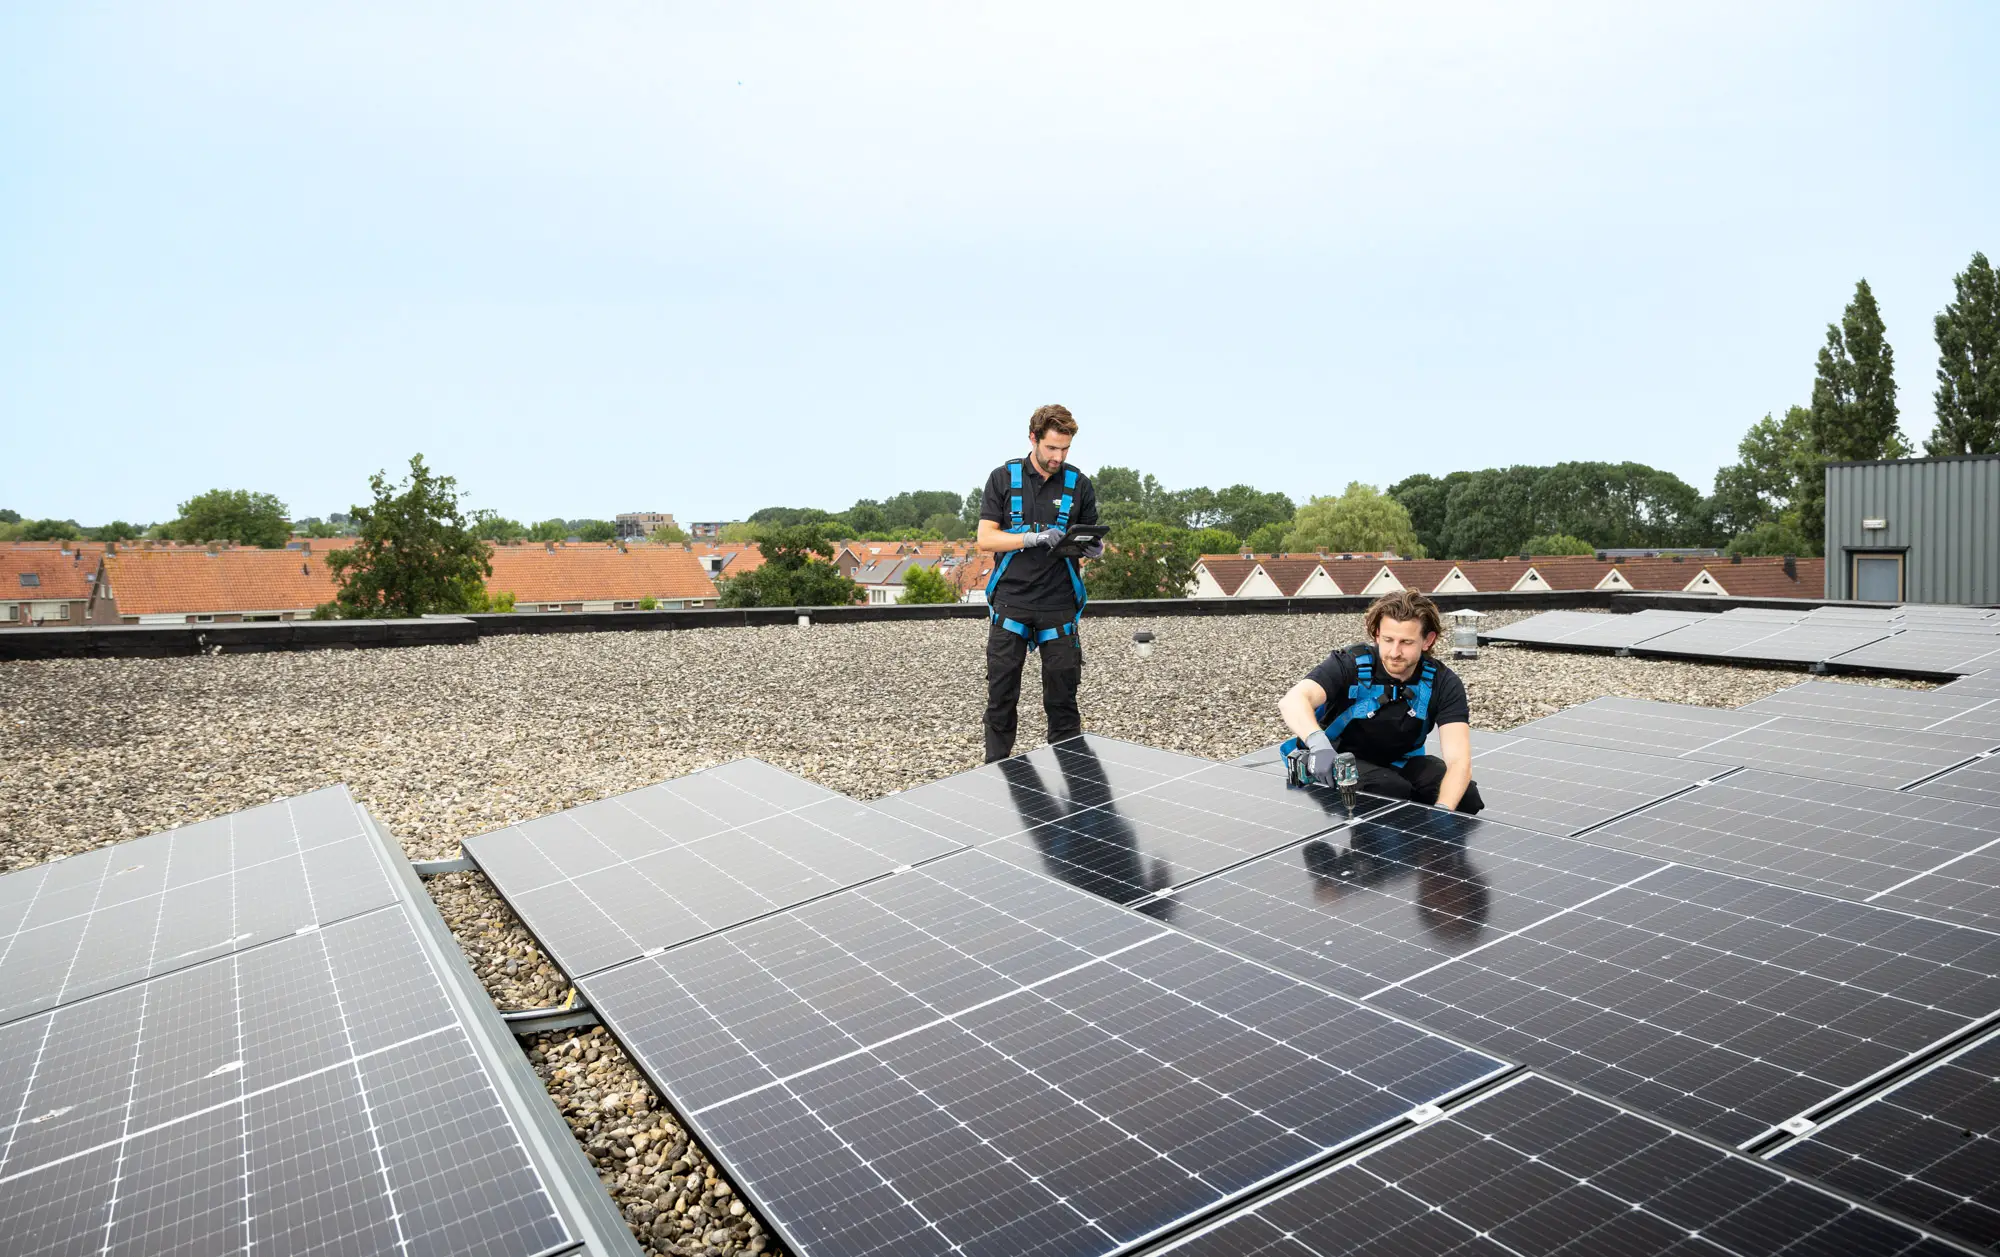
(1941, 515)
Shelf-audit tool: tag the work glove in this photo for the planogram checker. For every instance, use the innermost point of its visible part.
(1094, 550)
(1046, 537)
(1319, 757)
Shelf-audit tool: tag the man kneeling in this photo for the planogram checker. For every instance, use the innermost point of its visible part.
(1379, 700)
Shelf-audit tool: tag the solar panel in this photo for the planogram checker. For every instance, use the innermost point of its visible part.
(1805, 642)
(1801, 746)
(1268, 757)
(1928, 1147)
(1641, 726)
(1987, 682)
(1965, 891)
(1857, 754)
(611, 880)
(1620, 632)
(1535, 1167)
(1394, 895)
(1922, 651)
(116, 914)
(1866, 704)
(1774, 615)
(1547, 628)
(1824, 836)
(1977, 782)
(1144, 843)
(1726, 1005)
(1736, 636)
(967, 1057)
(1563, 787)
(337, 1089)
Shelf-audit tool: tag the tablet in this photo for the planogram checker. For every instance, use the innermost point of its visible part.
(1079, 536)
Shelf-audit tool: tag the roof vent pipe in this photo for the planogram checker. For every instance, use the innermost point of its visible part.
(1791, 567)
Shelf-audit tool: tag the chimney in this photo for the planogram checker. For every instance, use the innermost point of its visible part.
(1791, 567)
(1736, 559)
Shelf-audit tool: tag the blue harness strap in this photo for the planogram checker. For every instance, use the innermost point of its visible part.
(1365, 698)
(1017, 522)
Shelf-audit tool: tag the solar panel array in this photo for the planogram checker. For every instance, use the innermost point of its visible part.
(1696, 954)
(1913, 640)
(248, 1034)
(1537, 1167)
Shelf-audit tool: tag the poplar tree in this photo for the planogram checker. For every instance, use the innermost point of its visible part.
(1968, 340)
(1853, 402)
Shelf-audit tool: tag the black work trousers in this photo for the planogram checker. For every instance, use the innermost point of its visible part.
(1062, 672)
(1417, 780)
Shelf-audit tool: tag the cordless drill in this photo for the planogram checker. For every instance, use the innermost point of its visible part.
(1346, 774)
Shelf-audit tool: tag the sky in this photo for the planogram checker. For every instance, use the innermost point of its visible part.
(704, 258)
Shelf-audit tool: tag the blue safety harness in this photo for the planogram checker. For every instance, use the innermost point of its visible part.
(1017, 522)
(1365, 698)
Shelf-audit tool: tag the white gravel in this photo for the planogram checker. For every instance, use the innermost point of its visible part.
(443, 743)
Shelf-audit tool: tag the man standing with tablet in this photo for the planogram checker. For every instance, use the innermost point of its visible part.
(1029, 508)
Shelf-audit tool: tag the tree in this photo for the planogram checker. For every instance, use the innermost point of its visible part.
(1244, 509)
(1269, 539)
(1427, 499)
(592, 529)
(1557, 543)
(968, 511)
(116, 530)
(1773, 536)
(865, 517)
(1775, 461)
(737, 533)
(50, 530)
(796, 572)
(790, 516)
(549, 530)
(238, 515)
(924, 584)
(1215, 541)
(9, 517)
(415, 555)
(1968, 340)
(1853, 412)
(1361, 519)
(493, 526)
(945, 527)
(1144, 560)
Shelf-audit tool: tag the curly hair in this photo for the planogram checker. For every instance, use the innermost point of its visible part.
(1405, 604)
(1051, 418)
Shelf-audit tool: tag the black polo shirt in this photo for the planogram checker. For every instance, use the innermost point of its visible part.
(1036, 580)
(1392, 731)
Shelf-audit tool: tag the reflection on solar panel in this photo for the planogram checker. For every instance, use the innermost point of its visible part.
(1563, 787)
(117, 914)
(968, 1057)
(1087, 813)
(1727, 1005)
(1394, 895)
(1987, 682)
(1851, 841)
(340, 1088)
(996, 800)
(1867, 704)
(1534, 1167)
(612, 880)
(1929, 1147)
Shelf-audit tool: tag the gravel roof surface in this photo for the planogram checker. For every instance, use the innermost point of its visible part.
(446, 742)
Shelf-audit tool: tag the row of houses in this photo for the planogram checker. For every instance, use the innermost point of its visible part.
(93, 583)
(1298, 576)
(85, 585)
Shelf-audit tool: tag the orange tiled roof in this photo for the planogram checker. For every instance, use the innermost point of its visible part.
(597, 573)
(1290, 574)
(1228, 571)
(177, 581)
(58, 576)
